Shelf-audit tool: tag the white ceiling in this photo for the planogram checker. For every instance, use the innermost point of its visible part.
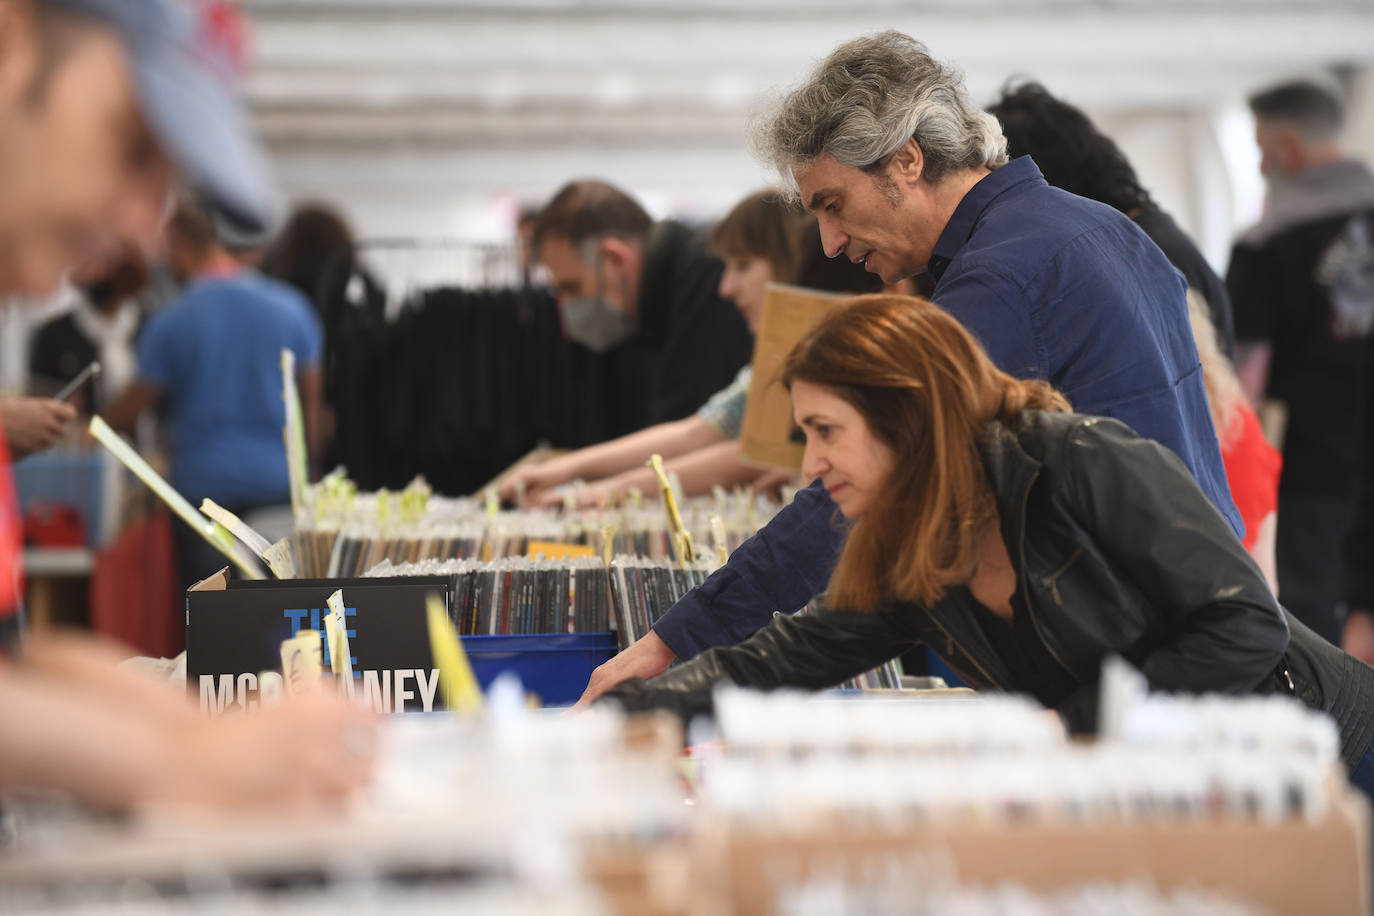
(532, 72)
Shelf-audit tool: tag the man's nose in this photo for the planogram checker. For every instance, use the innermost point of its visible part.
(833, 240)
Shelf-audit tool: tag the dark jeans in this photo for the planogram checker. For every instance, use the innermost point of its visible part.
(1310, 554)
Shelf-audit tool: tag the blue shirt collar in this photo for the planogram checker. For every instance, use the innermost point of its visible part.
(970, 209)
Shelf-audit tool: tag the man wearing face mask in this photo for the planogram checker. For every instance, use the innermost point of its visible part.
(645, 294)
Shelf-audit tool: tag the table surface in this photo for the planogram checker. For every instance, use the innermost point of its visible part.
(42, 562)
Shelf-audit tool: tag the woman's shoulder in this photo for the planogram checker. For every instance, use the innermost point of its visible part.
(1048, 434)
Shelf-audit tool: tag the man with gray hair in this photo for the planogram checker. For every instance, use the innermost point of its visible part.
(1302, 288)
(906, 176)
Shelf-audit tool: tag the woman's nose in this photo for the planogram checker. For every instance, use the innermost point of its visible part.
(813, 462)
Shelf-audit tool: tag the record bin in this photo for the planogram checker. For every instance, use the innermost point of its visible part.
(234, 630)
(555, 667)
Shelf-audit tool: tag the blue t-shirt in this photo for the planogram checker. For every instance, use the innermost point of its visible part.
(215, 353)
(1055, 287)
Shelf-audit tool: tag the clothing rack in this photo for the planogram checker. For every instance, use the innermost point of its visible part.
(405, 264)
(462, 382)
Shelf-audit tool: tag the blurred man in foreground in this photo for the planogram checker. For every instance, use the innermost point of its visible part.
(102, 104)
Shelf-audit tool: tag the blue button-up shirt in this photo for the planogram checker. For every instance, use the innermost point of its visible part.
(1055, 287)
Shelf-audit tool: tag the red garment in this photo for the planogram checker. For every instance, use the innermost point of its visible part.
(11, 547)
(135, 595)
(1252, 470)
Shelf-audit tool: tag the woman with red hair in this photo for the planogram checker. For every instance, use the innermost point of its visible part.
(1021, 542)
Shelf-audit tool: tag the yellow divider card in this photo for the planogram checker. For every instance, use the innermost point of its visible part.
(457, 682)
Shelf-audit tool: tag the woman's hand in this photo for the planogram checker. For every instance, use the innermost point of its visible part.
(523, 484)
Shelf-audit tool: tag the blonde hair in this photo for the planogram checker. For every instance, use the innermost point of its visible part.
(1224, 394)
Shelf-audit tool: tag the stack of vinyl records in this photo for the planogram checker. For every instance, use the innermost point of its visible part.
(353, 551)
(642, 590)
(519, 596)
(349, 536)
(887, 676)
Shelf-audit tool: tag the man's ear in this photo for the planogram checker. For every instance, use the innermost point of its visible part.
(621, 257)
(623, 260)
(19, 49)
(1292, 149)
(618, 253)
(908, 163)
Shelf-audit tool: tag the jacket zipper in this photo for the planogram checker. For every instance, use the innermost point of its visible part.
(967, 654)
(1051, 581)
(1025, 581)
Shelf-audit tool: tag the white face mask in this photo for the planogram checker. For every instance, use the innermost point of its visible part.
(592, 322)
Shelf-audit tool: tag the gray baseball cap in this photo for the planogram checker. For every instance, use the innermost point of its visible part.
(187, 61)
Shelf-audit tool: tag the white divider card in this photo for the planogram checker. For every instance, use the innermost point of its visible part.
(297, 455)
(340, 655)
(254, 541)
(281, 559)
(301, 662)
(277, 556)
(216, 534)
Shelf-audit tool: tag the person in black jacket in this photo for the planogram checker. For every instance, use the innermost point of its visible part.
(1302, 280)
(1021, 542)
(645, 292)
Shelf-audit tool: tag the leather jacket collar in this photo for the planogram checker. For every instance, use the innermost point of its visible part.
(1011, 473)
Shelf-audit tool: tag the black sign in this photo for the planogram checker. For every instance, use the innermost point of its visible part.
(233, 635)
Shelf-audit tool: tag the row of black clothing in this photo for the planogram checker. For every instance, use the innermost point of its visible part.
(460, 385)
(464, 382)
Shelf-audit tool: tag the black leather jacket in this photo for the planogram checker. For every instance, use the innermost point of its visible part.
(1116, 550)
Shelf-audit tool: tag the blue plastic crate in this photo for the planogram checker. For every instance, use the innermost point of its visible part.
(555, 667)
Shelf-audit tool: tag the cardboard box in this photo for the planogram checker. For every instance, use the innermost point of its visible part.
(766, 437)
(1291, 869)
